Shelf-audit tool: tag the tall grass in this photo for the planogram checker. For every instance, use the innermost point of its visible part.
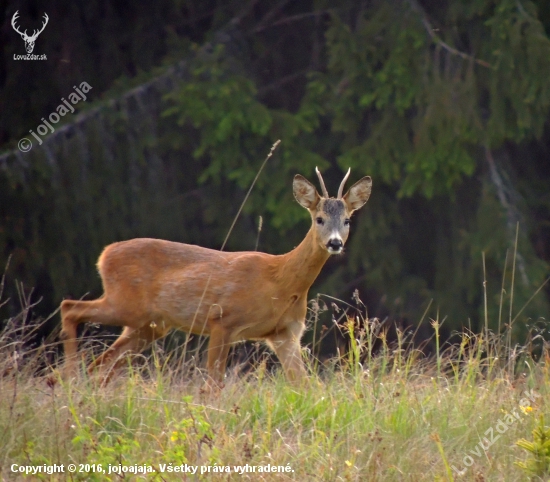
(392, 415)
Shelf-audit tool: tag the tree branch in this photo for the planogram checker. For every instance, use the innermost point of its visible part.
(282, 81)
(292, 18)
(431, 32)
(269, 15)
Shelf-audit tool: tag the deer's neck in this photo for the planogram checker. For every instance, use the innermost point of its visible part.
(301, 266)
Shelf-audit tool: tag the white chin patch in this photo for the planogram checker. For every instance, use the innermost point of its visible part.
(335, 251)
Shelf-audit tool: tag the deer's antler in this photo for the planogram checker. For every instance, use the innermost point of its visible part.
(323, 188)
(341, 188)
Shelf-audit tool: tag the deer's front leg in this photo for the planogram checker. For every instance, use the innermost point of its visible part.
(286, 345)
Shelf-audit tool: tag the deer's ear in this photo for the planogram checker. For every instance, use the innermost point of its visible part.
(304, 192)
(358, 194)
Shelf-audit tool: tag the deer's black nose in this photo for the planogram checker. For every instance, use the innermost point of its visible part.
(335, 245)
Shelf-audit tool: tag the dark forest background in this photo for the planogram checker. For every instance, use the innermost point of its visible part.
(444, 103)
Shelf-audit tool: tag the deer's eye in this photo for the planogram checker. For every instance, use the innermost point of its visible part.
(346, 222)
(320, 221)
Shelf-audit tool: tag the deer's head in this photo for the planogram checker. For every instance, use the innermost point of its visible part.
(29, 40)
(331, 216)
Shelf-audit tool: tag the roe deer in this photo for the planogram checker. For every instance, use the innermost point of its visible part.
(151, 286)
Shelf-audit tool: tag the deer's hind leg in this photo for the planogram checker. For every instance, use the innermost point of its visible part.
(218, 350)
(73, 313)
(132, 340)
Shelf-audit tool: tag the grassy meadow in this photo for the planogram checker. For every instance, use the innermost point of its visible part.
(392, 415)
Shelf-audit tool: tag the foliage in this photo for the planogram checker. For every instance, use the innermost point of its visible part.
(538, 463)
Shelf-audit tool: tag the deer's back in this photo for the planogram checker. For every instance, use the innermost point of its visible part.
(158, 275)
(145, 259)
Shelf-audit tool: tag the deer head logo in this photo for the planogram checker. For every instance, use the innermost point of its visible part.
(29, 40)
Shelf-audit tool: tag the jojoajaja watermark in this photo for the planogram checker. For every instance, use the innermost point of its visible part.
(29, 39)
(501, 427)
(25, 144)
